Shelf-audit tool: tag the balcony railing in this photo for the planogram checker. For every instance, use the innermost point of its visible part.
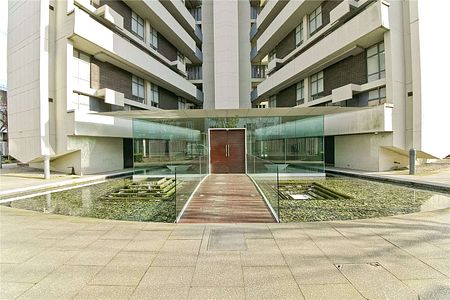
(254, 94)
(259, 71)
(253, 53)
(253, 30)
(194, 72)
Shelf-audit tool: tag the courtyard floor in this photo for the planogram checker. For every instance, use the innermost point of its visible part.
(46, 256)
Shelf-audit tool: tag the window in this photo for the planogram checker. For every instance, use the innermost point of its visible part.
(377, 96)
(196, 13)
(316, 85)
(301, 92)
(273, 101)
(154, 95)
(153, 38)
(299, 34)
(375, 62)
(254, 11)
(315, 20)
(137, 25)
(81, 70)
(137, 89)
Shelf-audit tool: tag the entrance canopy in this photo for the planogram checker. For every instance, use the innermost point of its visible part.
(158, 114)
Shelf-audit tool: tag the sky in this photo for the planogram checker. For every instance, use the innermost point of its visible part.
(3, 30)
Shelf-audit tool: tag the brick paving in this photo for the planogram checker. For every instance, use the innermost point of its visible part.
(227, 198)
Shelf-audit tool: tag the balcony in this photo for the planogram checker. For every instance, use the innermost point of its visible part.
(184, 17)
(271, 9)
(163, 21)
(258, 72)
(194, 73)
(94, 38)
(362, 31)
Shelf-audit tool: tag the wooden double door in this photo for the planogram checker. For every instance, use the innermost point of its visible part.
(227, 151)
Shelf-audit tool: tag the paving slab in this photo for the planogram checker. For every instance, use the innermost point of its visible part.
(330, 292)
(150, 261)
(207, 293)
(104, 292)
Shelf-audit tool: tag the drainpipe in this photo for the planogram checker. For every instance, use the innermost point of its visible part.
(412, 161)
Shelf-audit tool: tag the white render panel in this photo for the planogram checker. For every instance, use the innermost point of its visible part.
(244, 50)
(370, 120)
(208, 54)
(226, 54)
(28, 108)
(434, 66)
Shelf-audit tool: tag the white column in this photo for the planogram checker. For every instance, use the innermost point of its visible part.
(306, 89)
(46, 167)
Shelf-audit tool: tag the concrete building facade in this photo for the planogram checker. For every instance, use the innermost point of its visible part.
(75, 57)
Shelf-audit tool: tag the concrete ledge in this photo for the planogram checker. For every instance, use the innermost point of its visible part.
(437, 187)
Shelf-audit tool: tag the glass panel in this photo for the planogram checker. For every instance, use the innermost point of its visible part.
(372, 65)
(382, 65)
(373, 94)
(320, 85)
(372, 51)
(319, 20)
(383, 92)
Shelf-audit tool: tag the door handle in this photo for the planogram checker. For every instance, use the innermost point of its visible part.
(226, 150)
(229, 150)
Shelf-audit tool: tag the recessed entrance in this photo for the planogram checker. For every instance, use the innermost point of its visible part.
(227, 151)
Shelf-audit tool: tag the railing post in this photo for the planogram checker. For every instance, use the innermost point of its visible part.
(278, 195)
(175, 196)
(412, 161)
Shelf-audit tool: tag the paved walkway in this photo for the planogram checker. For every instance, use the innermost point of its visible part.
(227, 198)
(47, 256)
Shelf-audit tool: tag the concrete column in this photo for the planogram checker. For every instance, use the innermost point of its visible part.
(46, 167)
(306, 89)
(305, 28)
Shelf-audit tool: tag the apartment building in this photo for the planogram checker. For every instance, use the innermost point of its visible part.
(382, 56)
(76, 57)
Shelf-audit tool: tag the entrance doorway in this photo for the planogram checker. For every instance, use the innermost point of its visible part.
(227, 151)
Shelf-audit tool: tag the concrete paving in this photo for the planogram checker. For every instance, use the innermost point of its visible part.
(46, 256)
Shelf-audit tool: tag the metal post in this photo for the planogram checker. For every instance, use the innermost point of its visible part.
(175, 195)
(412, 161)
(278, 195)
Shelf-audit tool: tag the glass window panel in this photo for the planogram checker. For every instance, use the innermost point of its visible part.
(313, 89)
(382, 74)
(134, 89)
(372, 65)
(382, 65)
(133, 26)
(374, 94)
(320, 86)
(383, 92)
(381, 47)
(319, 20)
(372, 51)
(373, 77)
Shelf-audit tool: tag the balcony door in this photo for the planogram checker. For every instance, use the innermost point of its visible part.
(227, 151)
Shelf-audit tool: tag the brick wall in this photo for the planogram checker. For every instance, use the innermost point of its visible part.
(287, 97)
(327, 7)
(122, 9)
(167, 99)
(350, 70)
(286, 46)
(166, 48)
(106, 75)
